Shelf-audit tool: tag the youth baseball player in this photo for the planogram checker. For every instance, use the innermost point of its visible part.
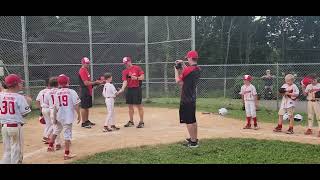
(66, 103)
(49, 103)
(250, 101)
(14, 107)
(313, 103)
(109, 93)
(290, 92)
(44, 109)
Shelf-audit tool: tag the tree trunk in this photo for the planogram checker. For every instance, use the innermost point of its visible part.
(221, 36)
(228, 43)
(240, 46)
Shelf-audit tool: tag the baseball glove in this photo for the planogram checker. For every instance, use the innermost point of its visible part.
(41, 120)
(317, 94)
(282, 90)
(243, 108)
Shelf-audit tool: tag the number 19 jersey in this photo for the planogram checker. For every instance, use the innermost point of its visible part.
(64, 101)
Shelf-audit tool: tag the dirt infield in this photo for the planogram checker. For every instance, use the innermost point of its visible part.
(161, 126)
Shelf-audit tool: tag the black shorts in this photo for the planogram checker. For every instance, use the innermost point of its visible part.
(86, 102)
(134, 96)
(187, 113)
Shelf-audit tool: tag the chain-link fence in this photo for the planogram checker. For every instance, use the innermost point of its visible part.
(38, 47)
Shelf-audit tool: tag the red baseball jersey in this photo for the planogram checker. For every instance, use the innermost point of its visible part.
(85, 76)
(132, 71)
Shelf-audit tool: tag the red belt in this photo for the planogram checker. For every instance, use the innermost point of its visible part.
(12, 125)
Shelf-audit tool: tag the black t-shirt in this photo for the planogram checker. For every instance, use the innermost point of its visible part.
(190, 77)
(268, 81)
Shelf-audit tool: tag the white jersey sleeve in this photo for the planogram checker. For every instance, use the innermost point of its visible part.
(74, 96)
(242, 90)
(40, 95)
(254, 91)
(295, 90)
(104, 92)
(114, 91)
(308, 88)
(23, 105)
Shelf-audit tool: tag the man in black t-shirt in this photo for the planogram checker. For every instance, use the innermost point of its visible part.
(188, 78)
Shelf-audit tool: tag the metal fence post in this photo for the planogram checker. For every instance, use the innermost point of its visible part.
(91, 56)
(277, 85)
(146, 43)
(225, 82)
(193, 32)
(25, 55)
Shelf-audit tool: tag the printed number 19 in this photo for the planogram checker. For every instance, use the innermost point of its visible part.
(63, 100)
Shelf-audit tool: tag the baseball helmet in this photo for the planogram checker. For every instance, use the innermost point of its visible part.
(223, 111)
(286, 117)
(298, 118)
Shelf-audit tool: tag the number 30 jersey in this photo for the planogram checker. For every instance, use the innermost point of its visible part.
(65, 101)
(13, 107)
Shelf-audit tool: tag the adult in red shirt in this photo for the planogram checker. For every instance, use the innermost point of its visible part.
(132, 78)
(86, 86)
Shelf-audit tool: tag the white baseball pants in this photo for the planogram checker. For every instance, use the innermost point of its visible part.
(12, 144)
(67, 134)
(48, 129)
(110, 110)
(250, 107)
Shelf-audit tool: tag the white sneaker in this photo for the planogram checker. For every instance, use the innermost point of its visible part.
(69, 156)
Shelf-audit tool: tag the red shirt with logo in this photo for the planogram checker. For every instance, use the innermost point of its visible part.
(85, 76)
(132, 71)
(190, 77)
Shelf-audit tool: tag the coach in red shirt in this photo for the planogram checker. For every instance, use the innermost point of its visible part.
(86, 86)
(132, 78)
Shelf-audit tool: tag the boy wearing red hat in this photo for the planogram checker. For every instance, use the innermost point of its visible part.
(66, 102)
(188, 78)
(250, 102)
(14, 108)
(312, 86)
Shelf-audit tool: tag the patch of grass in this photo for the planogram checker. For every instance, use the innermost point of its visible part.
(220, 151)
(213, 104)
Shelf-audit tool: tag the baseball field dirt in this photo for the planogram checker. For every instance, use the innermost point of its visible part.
(161, 127)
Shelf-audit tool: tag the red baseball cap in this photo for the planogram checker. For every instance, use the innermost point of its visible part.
(192, 54)
(63, 80)
(125, 60)
(85, 60)
(306, 81)
(247, 77)
(12, 80)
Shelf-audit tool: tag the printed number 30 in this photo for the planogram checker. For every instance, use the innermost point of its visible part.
(5, 108)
